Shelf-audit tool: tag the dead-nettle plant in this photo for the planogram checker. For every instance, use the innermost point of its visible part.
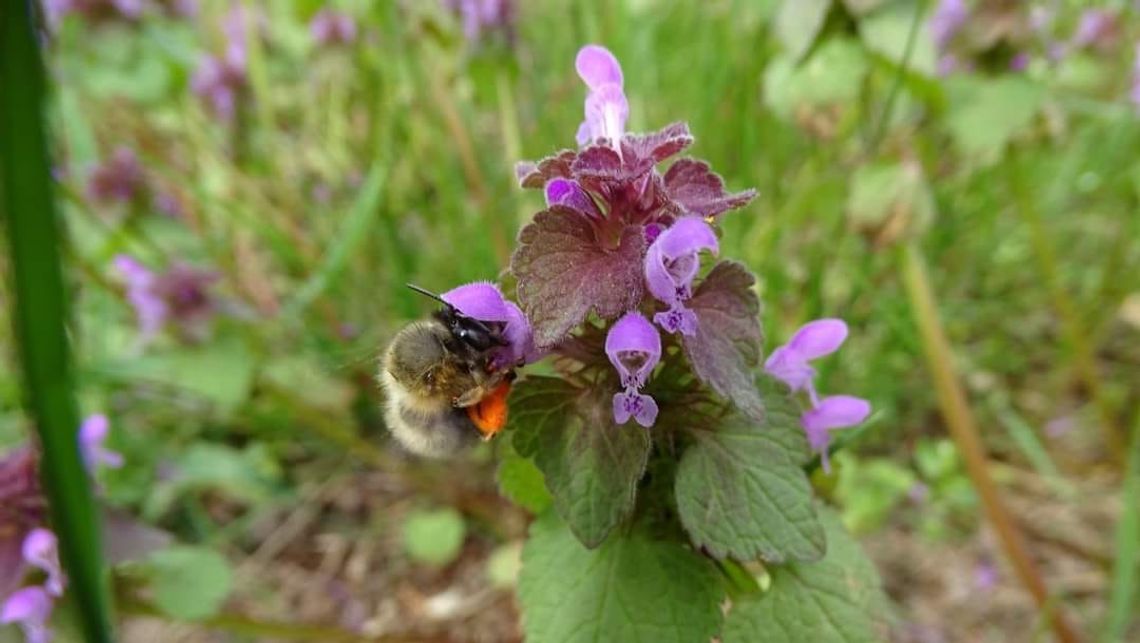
(666, 462)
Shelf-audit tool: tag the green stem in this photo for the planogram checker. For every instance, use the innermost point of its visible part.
(40, 315)
(1084, 359)
(964, 431)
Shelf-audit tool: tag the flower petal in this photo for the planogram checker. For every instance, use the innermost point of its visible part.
(92, 435)
(836, 412)
(480, 300)
(570, 194)
(41, 549)
(671, 262)
(634, 348)
(597, 66)
(607, 111)
(818, 338)
(30, 605)
(642, 408)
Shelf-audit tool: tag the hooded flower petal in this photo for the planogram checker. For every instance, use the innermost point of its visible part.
(789, 363)
(598, 67)
(834, 412)
(634, 348)
(480, 300)
(150, 309)
(570, 194)
(31, 608)
(92, 436)
(671, 264)
(948, 18)
(41, 549)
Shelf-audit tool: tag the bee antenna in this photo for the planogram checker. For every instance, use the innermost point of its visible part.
(428, 293)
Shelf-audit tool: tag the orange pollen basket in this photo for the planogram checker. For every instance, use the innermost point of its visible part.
(490, 414)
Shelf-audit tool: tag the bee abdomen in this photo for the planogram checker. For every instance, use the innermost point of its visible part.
(434, 434)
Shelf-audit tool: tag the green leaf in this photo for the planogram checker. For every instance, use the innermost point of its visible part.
(522, 482)
(886, 32)
(189, 583)
(782, 420)
(305, 377)
(838, 599)
(247, 476)
(798, 23)
(632, 588)
(833, 75)
(591, 465)
(220, 372)
(40, 313)
(434, 537)
(987, 113)
(889, 200)
(742, 493)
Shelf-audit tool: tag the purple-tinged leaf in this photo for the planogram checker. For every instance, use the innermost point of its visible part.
(726, 348)
(657, 146)
(598, 162)
(535, 175)
(700, 191)
(590, 464)
(12, 565)
(564, 272)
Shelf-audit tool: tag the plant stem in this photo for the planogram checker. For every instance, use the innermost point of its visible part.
(1084, 360)
(964, 431)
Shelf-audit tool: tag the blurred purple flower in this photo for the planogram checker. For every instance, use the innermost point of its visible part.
(118, 178)
(790, 362)
(22, 508)
(947, 19)
(180, 295)
(92, 436)
(55, 10)
(218, 82)
(1097, 27)
(986, 576)
(606, 106)
(1019, 62)
(634, 348)
(41, 550)
(834, 412)
(330, 27)
(671, 264)
(484, 301)
(30, 607)
(918, 493)
(480, 17)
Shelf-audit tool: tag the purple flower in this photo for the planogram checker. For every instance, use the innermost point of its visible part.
(118, 178)
(31, 608)
(634, 348)
(480, 17)
(606, 106)
(92, 436)
(568, 193)
(985, 575)
(22, 508)
(1020, 62)
(179, 295)
(484, 301)
(834, 412)
(218, 81)
(789, 363)
(330, 27)
(41, 550)
(671, 264)
(1097, 27)
(948, 18)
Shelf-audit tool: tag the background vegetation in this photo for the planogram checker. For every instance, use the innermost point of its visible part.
(250, 424)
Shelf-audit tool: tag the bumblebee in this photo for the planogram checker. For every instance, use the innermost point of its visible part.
(443, 391)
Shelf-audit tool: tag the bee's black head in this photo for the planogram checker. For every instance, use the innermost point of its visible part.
(471, 332)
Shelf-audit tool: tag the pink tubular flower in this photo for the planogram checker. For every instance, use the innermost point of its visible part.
(606, 106)
(484, 302)
(31, 608)
(179, 295)
(41, 550)
(118, 178)
(671, 264)
(92, 436)
(634, 348)
(834, 412)
(790, 362)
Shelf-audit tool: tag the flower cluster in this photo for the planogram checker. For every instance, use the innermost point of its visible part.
(330, 27)
(791, 364)
(220, 80)
(621, 241)
(119, 178)
(25, 542)
(179, 296)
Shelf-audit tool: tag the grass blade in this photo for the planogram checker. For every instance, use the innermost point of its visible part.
(1126, 568)
(40, 313)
